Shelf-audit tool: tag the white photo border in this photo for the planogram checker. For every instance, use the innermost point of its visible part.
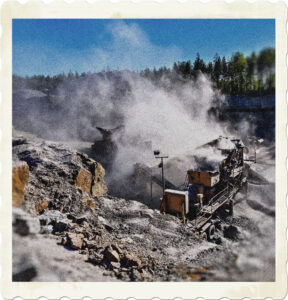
(144, 290)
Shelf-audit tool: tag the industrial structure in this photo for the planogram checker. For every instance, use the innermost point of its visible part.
(209, 190)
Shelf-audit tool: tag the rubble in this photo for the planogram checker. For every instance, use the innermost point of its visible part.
(115, 238)
(59, 178)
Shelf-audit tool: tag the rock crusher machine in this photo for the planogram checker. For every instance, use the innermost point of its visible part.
(208, 191)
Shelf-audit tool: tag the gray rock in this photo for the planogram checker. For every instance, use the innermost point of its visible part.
(61, 225)
(56, 174)
(95, 258)
(115, 265)
(24, 224)
(46, 229)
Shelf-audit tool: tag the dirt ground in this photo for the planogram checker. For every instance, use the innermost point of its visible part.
(164, 247)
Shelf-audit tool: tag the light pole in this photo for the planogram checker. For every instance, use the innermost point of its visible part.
(161, 165)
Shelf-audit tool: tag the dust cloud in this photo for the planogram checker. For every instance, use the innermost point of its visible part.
(170, 115)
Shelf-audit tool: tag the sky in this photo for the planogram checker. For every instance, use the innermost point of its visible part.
(53, 46)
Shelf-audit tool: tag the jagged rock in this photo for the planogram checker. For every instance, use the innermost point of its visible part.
(95, 258)
(20, 176)
(63, 179)
(90, 244)
(111, 255)
(74, 240)
(145, 275)
(124, 269)
(99, 187)
(116, 248)
(41, 206)
(78, 219)
(84, 180)
(106, 224)
(115, 265)
(84, 251)
(130, 260)
(24, 224)
(61, 225)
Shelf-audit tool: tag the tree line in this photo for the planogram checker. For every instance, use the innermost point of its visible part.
(41, 82)
(252, 75)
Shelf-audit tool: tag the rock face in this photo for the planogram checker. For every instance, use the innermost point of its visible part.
(98, 187)
(20, 176)
(59, 178)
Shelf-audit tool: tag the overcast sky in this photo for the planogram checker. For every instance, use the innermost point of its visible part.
(49, 47)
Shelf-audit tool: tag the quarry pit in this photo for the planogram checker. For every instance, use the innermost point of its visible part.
(84, 215)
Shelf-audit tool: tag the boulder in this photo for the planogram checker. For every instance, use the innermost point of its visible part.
(20, 176)
(61, 225)
(99, 187)
(74, 240)
(24, 224)
(95, 258)
(90, 244)
(115, 265)
(116, 248)
(84, 180)
(111, 255)
(131, 260)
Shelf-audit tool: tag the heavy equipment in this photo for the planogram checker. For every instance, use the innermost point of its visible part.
(210, 188)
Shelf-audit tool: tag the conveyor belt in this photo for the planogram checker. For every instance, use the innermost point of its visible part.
(168, 185)
(208, 211)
